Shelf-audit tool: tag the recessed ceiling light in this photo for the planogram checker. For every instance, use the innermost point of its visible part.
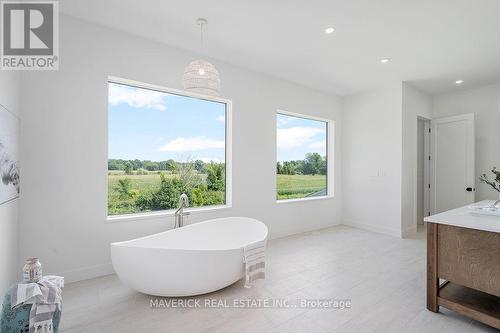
(329, 30)
(459, 81)
(385, 60)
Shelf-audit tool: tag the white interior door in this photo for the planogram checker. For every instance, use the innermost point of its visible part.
(452, 162)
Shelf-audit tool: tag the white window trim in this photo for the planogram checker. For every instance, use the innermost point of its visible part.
(228, 154)
(330, 157)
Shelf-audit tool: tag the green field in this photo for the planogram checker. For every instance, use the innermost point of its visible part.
(150, 181)
(299, 186)
(289, 187)
(145, 192)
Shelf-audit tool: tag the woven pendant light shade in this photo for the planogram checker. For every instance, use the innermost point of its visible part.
(201, 77)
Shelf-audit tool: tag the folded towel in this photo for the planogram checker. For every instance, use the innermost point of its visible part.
(45, 296)
(254, 258)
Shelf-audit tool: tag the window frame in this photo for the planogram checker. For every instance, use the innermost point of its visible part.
(330, 157)
(228, 152)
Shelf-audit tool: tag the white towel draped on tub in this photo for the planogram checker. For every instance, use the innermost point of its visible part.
(254, 258)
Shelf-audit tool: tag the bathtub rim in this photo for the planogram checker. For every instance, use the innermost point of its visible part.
(124, 243)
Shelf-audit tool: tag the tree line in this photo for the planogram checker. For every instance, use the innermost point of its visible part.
(312, 164)
(129, 166)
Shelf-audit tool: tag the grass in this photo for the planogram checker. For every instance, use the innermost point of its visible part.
(147, 183)
(288, 187)
(140, 184)
(150, 181)
(299, 186)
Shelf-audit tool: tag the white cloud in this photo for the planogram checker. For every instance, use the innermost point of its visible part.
(191, 144)
(221, 119)
(136, 97)
(285, 120)
(294, 137)
(318, 145)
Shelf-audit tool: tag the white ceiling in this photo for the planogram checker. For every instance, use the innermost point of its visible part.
(431, 43)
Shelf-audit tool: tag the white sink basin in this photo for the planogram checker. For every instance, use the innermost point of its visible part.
(485, 209)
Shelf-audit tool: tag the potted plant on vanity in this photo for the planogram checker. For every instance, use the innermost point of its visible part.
(495, 183)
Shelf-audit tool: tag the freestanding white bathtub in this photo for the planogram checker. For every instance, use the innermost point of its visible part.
(192, 260)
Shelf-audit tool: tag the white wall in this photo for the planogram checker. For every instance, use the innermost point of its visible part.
(64, 148)
(415, 104)
(9, 98)
(371, 160)
(485, 103)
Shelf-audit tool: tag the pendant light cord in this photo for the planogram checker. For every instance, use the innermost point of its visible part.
(202, 24)
(201, 34)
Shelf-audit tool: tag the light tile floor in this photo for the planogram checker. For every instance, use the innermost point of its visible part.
(384, 277)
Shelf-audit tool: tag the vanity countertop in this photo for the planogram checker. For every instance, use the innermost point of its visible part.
(466, 217)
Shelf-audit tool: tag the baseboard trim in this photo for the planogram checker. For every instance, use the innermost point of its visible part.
(307, 228)
(90, 272)
(369, 227)
(410, 231)
(86, 273)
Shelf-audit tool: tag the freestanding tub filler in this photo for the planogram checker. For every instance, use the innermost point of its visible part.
(192, 260)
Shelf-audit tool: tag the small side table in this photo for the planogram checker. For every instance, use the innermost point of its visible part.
(17, 320)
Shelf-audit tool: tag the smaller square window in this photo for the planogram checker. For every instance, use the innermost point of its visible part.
(302, 154)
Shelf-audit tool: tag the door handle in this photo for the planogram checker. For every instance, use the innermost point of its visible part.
(469, 189)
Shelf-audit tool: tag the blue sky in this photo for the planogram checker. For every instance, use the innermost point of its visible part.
(298, 136)
(150, 125)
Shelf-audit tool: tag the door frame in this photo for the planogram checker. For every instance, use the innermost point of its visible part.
(427, 167)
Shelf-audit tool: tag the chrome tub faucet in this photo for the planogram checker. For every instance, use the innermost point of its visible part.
(179, 213)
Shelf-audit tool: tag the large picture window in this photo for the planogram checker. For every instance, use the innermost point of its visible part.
(163, 144)
(302, 157)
